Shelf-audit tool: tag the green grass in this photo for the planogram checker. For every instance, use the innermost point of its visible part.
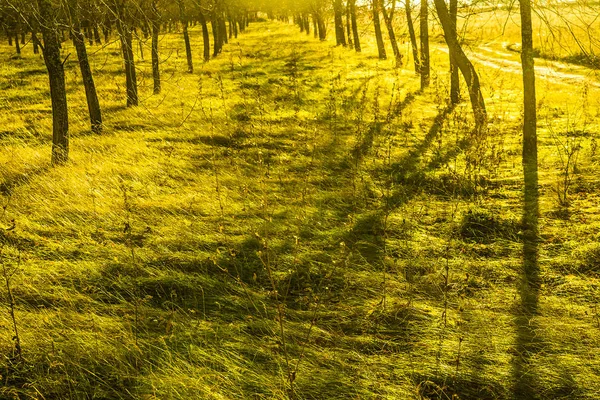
(394, 241)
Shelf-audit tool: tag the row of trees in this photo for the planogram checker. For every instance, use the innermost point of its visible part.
(347, 34)
(447, 15)
(83, 20)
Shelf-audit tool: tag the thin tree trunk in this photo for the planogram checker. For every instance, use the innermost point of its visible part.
(97, 35)
(56, 74)
(454, 78)
(378, 35)
(315, 28)
(465, 66)
(322, 28)
(354, 25)
(413, 36)
(340, 37)
(527, 344)
(186, 36)
(86, 71)
(348, 24)
(424, 25)
(205, 38)
(223, 28)
(390, 27)
(155, 58)
(36, 42)
(529, 99)
(216, 39)
(126, 36)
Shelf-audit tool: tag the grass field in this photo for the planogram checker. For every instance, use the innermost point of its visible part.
(296, 208)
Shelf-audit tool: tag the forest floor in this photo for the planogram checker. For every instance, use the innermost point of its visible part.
(295, 210)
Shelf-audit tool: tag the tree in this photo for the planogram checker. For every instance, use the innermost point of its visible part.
(186, 36)
(454, 78)
(424, 67)
(465, 66)
(54, 64)
(155, 21)
(388, 18)
(377, 25)
(340, 37)
(530, 161)
(413, 36)
(125, 30)
(84, 66)
(352, 5)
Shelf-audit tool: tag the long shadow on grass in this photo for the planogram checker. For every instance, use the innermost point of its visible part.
(528, 344)
(14, 180)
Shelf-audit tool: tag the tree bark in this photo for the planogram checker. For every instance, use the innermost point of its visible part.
(216, 40)
(454, 78)
(86, 71)
(340, 37)
(186, 36)
(378, 35)
(354, 25)
(413, 36)
(322, 27)
(348, 24)
(424, 32)
(205, 38)
(390, 27)
(155, 58)
(126, 36)
(56, 74)
(465, 66)
(529, 99)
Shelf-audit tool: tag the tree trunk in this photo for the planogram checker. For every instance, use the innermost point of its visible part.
(340, 37)
(465, 66)
(354, 25)
(348, 24)
(315, 28)
(155, 59)
(529, 289)
(97, 35)
(529, 100)
(223, 33)
(86, 71)
(216, 39)
(322, 28)
(378, 35)
(205, 38)
(424, 25)
(17, 43)
(390, 27)
(454, 78)
(36, 42)
(413, 36)
(126, 36)
(56, 74)
(186, 36)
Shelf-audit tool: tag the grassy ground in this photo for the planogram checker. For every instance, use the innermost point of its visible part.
(289, 178)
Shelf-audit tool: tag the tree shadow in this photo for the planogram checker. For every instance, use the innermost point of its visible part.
(528, 343)
(12, 181)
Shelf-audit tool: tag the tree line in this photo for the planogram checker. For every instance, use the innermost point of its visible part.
(47, 24)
